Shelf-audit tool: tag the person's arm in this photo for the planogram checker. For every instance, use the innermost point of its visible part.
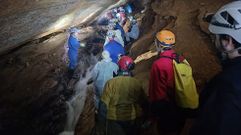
(143, 101)
(106, 41)
(134, 33)
(145, 56)
(95, 72)
(157, 90)
(115, 72)
(105, 100)
(119, 37)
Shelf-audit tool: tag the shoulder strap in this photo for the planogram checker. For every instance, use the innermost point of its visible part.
(176, 57)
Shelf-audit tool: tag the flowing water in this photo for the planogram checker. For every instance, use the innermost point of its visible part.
(76, 104)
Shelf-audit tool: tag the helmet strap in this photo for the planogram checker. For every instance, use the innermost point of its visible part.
(161, 46)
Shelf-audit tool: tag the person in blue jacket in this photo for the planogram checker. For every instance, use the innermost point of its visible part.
(220, 101)
(74, 45)
(114, 48)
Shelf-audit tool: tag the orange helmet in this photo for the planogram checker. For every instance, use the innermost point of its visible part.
(166, 38)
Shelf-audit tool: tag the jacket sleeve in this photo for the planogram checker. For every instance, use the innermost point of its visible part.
(106, 95)
(143, 101)
(134, 33)
(115, 71)
(119, 37)
(106, 40)
(95, 72)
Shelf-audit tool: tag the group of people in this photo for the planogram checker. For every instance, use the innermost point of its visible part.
(122, 103)
(117, 37)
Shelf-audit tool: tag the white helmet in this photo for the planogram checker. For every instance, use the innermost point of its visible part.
(105, 54)
(227, 21)
(121, 9)
(115, 10)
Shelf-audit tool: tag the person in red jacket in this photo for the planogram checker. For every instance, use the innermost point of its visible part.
(162, 86)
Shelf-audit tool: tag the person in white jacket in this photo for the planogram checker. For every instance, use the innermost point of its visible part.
(103, 71)
(116, 33)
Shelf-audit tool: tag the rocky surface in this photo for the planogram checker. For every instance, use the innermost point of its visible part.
(34, 87)
(24, 20)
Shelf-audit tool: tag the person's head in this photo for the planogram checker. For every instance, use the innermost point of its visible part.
(121, 10)
(164, 40)
(74, 31)
(109, 15)
(226, 25)
(128, 9)
(106, 55)
(115, 10)
(111, 34)
(132, 20)
(126, 64)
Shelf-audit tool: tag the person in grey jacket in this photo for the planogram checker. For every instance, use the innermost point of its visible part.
(102, 72)
(134, 31)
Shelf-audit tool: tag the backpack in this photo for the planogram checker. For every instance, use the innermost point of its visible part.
(185, 88)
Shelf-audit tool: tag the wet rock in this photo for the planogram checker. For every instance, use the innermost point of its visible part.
(200, 21)
(86, 120)
(27, 64)
(202, 4)
(50, 83)
(10, 61)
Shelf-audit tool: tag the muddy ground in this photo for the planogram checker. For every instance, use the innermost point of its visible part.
(34, 86)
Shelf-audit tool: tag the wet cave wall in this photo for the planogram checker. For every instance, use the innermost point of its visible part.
(34, 88)
(23, 20)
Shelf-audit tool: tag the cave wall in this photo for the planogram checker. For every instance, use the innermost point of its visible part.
(23, 20)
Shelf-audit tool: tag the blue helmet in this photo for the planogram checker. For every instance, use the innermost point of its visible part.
(128, 8)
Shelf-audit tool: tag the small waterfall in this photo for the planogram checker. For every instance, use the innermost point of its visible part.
(76, 104)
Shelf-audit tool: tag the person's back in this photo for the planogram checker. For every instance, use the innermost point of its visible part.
(106, 70)
(121, 101)
(134, 31)
(123, 95)
(103, 71)
(115, 50)
(117, 37)
(73, 45)
(162, 78)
